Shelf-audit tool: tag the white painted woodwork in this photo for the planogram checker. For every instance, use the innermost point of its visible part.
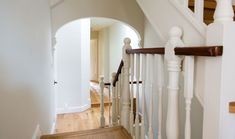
(137, 75)
(160, 78)
(219, 83)
(174, 69)
(120, 95)
(143, 77)
(199, 10)
(118, 102)
(151, 73)
(185, 3)
(114, 96)
(132, 94)
(188, 92)
(224, 11)
(109, 100)
(125, 113)
(102, 118)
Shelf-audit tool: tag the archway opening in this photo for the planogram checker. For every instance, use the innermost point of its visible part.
(86, 49)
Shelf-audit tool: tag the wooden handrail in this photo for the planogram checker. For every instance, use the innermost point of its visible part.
(188, 51)
(160, 50)
(232, 107)
(200, 51)
(212, 51)
(134, 82)
(118, 72)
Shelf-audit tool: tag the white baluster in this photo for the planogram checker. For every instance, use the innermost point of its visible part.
(114, 114)
(102, 118)
(125, 114)
(109, 106)
(199, 10)
(188, 92)
(118, 102)
(160, 74)
(151, 67)
(137, 129)
(174, 68)
(132, 95)
(143, 73)
(119, 97)
(224, 11)
(185, 3)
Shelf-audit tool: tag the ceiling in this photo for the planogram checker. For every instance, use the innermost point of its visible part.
(98, 24)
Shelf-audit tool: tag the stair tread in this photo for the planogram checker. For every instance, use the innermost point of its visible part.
(117, 132)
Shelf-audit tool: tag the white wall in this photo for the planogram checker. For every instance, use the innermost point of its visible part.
(26, 97)
(122, 10)
(110, 47)
(73, 66)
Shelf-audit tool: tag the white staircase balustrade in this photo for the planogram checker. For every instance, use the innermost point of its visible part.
(160, 78)
(114, 96)
(137, 128)
(199, 10)
(151, 78)
(224, 11)
(102, 118)
(174, 69)
(188, 92)
(143, 77)
(132, 95)
(125, 113)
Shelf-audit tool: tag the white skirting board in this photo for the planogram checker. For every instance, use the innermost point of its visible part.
(37, 133)
(73, 109)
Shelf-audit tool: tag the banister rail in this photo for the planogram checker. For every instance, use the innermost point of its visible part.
(187, 51)
(118, 73)
(160, 50)
(200, 51)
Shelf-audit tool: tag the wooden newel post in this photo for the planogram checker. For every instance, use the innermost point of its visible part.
(174, 69)
(102, 118)
(114, 96)
(125, 113)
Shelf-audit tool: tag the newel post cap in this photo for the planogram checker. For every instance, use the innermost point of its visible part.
(176, 32)
(127, 41)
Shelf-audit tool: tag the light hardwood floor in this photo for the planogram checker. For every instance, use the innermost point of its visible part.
(101, 133)
(89, 119)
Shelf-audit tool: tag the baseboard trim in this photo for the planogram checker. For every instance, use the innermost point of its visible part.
(53, 128)
(73, 109)
(37, 133)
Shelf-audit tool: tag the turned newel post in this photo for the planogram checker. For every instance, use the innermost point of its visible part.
(125, 113)
(224, 11)
(114, 96)
(174, 69)
(102, 118)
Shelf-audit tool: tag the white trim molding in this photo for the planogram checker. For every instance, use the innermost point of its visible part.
(188, 14)
(37, 133)
(73, 109)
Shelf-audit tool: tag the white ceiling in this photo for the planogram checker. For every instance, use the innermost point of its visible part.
(98, 24)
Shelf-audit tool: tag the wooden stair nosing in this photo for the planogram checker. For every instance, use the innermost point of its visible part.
(87, 132)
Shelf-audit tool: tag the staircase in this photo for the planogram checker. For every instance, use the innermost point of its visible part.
(117, 132)
(209, 10)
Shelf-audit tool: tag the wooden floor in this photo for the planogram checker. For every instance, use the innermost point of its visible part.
(101, 133)
(90, 119)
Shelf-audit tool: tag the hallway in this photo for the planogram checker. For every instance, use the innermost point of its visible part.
(89, 119)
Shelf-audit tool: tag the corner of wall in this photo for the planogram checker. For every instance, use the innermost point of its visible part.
(37, 133)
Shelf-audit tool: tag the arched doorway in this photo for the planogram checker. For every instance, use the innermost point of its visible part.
(86, 48)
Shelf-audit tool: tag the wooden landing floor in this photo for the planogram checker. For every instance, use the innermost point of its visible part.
(102, 133)
(89, 119)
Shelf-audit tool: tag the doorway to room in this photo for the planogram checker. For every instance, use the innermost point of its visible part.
(85, 50)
